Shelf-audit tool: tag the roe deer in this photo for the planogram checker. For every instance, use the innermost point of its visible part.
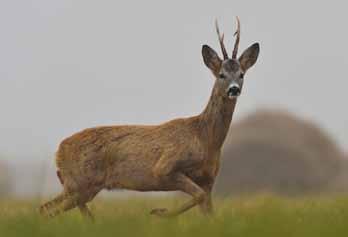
(180, 155)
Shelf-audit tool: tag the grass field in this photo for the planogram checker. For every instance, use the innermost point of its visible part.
(264, 215)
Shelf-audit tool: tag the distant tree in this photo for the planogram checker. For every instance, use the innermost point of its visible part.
(341, 182)
(273, 151)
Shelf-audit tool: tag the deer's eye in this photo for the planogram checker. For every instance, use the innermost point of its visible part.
(242, 75)
(222, 76)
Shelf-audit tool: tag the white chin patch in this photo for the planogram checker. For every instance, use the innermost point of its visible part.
(231, 97)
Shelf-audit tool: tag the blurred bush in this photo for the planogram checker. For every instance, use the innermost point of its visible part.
(273, 151)
(5, 180)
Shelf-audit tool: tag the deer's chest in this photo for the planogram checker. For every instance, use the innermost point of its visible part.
(208, 170)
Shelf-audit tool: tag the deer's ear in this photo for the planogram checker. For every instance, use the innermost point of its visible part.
(211, 59)
(249, 57)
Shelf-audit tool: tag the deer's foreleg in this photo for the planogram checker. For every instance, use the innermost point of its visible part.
(206, 205)
(186, 185)
(86, 212)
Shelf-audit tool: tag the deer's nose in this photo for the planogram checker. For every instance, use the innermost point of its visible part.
(234, 90)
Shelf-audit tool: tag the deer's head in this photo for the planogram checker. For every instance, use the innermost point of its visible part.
(229, 72)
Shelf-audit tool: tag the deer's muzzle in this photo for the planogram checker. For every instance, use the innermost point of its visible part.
(233, 91)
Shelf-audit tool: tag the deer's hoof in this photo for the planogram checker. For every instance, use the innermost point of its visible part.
(161, 212)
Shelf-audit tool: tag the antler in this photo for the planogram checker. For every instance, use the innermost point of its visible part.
(221, 40)
(236, 44)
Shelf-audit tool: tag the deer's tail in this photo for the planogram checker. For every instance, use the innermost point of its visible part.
(59, 175)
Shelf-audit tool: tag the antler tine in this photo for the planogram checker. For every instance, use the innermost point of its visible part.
(221, 40)
(236, 44)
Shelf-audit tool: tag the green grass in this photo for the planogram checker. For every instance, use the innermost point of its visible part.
(255, 216)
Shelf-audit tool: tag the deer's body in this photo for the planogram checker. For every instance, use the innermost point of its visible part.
(138, 157)
(179, 155)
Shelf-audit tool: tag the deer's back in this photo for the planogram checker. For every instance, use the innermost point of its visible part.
(91, 142)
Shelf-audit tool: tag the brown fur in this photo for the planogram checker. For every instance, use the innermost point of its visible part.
(179, 155)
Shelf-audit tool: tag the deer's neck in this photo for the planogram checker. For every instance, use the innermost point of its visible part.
(216, 118)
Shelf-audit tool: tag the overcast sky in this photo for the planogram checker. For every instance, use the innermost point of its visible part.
(66, 65)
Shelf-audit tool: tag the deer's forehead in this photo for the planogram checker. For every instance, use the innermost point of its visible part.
(230, 65)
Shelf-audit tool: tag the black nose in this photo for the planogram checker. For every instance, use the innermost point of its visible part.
(234, 91)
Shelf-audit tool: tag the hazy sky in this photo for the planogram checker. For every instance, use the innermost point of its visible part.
(66, 65)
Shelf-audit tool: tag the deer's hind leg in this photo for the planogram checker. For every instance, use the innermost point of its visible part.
(186, 185)
(76, 199)
(47, 207)
(60, 204)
